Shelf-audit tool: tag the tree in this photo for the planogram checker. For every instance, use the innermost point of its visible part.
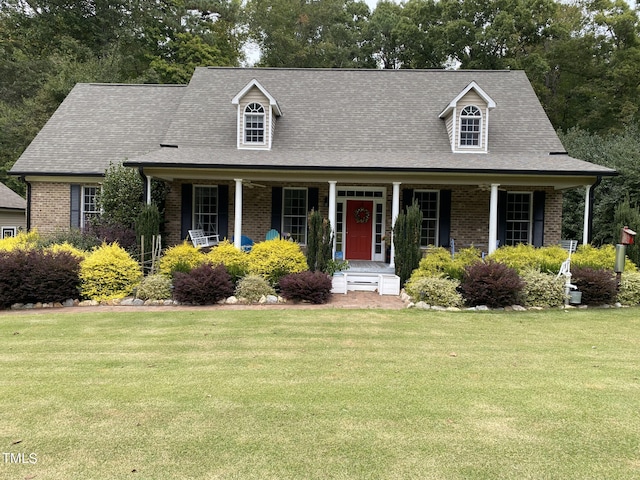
(406, 240)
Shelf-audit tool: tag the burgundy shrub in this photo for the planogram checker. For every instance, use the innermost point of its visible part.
(314, 287)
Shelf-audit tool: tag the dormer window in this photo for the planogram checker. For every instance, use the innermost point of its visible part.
(470, 126)
(254, 123)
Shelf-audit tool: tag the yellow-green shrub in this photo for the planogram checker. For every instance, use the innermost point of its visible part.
(629, 291)
(181, 258)
(108, 273)
(527, 257)
(24, 240)
(438, 291)
(542, 289)
(602, 258)
(274, 259)
(235, 261)
(438, 262)
(66, 247)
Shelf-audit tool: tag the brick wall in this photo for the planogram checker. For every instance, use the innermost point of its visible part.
(50, 206)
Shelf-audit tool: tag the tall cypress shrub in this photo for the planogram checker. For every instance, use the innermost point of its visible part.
(406, 239)
(319, 242)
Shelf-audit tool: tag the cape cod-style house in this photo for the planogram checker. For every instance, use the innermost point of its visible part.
(245, 151)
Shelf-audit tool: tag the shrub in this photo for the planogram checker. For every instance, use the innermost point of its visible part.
(435, 291)
(154, 287)
(180, 258)
(121, 195)
(542, 289)
(438, 262)
(406, 238)
(81, 240)
(629, 291)
(602, 258)
(109, 272)
(23, 240)
(319, 243)
(203, 285)
(314, 287)
(66, 247)
(253, 287)
(527, 257)
(30, 276)
(235, 261)
(147, 226)
(274, 259)
(109, 231)
(492, 284)
(598, 287)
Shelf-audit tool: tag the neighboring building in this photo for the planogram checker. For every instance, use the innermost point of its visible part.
(249, 150)
(12, 212)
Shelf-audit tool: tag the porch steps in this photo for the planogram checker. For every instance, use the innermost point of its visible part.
(383, 283)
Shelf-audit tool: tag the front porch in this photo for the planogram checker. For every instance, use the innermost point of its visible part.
(369, 276)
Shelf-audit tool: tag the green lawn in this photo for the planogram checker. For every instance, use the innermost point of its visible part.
(313, 394)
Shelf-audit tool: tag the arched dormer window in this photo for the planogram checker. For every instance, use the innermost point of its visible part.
(254, 123)
(470, 125)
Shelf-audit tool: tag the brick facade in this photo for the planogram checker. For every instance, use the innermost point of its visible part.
(50, 206)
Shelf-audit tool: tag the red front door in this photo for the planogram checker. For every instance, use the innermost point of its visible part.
(359, 229)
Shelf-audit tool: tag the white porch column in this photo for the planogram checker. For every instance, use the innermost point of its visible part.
(493, 218)
(149, 189)
(237, 225)
(587, 214)
(395, 211)
(332, 214)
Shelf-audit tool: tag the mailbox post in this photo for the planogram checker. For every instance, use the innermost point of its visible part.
(626, 238)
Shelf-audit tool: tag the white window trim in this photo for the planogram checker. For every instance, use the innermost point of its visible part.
(13, 230)
(481, 139)
(264, 125)
(83, 210)
(530, 221)
(193, 206)
(437, 233)
(306, 190)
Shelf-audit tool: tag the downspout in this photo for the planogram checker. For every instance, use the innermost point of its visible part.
(28, 202)
(588, 221)
(147, 185)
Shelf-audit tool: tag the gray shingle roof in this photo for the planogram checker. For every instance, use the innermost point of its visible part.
(10, 199)
(347, 119)
(98, 124)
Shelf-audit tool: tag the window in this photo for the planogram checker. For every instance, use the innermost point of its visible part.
(9, 232)
(89, 206)
(254, 123)
(518, 218)
(294, 214)
(205, 209)
(428, 203)
(470, 121)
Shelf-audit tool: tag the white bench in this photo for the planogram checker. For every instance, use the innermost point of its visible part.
(201, 240)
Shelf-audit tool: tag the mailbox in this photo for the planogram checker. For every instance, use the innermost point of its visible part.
(626, 236)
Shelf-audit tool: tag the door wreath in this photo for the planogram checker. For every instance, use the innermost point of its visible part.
(362, 215)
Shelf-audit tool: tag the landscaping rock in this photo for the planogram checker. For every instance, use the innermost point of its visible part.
(68, 303)
(482, 308)
(232, 300)
(518, 308)
(423, 306)
(271, 299)
(438, 308)
(17, 306)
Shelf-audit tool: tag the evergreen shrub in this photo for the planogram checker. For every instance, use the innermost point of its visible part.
(181, 258)
(438, 262)
(235, 261)
(629, 291)
(274, 259)
(253, 287)
(492, 284)
(319, 243)
(154, 287)
(527, 257)
(602, 258)
(406, 238)
(109, 273)
(434, 291)
(203, 285)
(542, 289)
(598, 287)
(314, 287)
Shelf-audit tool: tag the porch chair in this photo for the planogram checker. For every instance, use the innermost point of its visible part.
(569, 245)
(201, 240)
(245, 243)
(272, 234)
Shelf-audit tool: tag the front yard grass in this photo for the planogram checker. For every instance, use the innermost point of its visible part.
(315, 394)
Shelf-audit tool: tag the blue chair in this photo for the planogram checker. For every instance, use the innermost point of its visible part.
(245, 243)
(272, 234)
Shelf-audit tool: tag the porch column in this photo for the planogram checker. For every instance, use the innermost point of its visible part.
(587, 215)
(332, 214)
(237, 225)
(493, 218)
(149, 190)
(395, 211)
